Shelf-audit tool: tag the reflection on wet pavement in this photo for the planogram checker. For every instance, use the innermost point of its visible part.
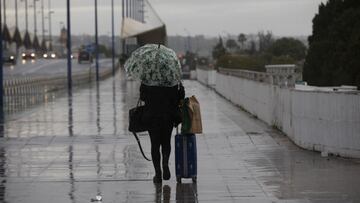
(76, 147)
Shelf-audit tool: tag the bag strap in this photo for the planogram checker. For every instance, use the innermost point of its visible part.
(138, 103)
(138, 141)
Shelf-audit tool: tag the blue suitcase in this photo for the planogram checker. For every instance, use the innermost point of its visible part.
(185, 157)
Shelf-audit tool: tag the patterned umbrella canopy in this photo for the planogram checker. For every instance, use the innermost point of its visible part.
(154, 65)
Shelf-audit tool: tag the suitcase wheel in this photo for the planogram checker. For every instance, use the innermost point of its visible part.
(178, 179)
(194, 179)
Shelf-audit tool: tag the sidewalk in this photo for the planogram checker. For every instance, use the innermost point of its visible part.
(73, 148)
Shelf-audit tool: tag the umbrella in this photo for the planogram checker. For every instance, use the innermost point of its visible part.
(154, 65)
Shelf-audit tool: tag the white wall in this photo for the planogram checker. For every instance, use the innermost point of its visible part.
(207, 77)
(323, 121)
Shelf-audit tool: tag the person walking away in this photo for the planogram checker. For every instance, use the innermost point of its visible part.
(159, 70)
(161, 115)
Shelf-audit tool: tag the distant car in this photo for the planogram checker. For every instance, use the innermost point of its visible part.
(28, 54)
(49, 55)
(9, 58)
(84, 56)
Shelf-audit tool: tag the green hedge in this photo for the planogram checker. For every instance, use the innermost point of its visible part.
(241, 62)
(252, 63)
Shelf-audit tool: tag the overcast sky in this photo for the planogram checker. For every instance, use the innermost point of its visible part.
(183, 17)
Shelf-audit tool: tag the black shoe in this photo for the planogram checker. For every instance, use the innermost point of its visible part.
(157, 179)
(166, 172)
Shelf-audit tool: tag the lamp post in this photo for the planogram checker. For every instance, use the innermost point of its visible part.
(16, 13)
(26, 16)
(35, 19)
(68, 45)
(1, 72)
(127, 9)
(27, 40)
(130, 11)
(188, 40)
(113, 37)
(36, 40)
(42, 20)
(16, 24)
(50, 12)
(96, 43)
(123, 8)
(4, 12)
(3, 28)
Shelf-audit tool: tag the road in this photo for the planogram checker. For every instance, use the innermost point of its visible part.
(51, 67)
(71, 149)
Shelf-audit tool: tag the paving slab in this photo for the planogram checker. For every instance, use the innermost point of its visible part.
(72, 148)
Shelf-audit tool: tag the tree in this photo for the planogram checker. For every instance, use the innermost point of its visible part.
(231, 44)
(242, 39)
(334, 47)
(265, 40)
(288, 47)
(219, 49)
(104, 50)
(252, 49)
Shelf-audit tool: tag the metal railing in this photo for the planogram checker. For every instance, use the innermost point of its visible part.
(251, 75)
(43, 84)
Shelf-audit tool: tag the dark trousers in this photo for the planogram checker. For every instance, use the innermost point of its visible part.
(160, 136)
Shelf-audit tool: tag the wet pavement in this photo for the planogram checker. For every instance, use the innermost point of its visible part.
(73, 148)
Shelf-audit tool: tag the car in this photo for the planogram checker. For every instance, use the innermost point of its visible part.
(49, 55)
(84, 56)
(9, 58)
(28, 54)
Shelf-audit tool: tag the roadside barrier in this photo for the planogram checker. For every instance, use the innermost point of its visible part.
(22, 92)
(43, 84)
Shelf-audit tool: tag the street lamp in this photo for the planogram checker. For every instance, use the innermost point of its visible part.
(68, 45)
(123, 17)
(16, 13)
(42, 24)
(127, 8)
(27, 40)
(36, 41)
(1, 72)
(4, 12)
(16, 27)
(3, 28)
(188, 39)
(96, 43)
(113, 37)
(50, 12)
(35, 18)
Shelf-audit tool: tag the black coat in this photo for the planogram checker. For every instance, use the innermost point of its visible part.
(162, 103)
